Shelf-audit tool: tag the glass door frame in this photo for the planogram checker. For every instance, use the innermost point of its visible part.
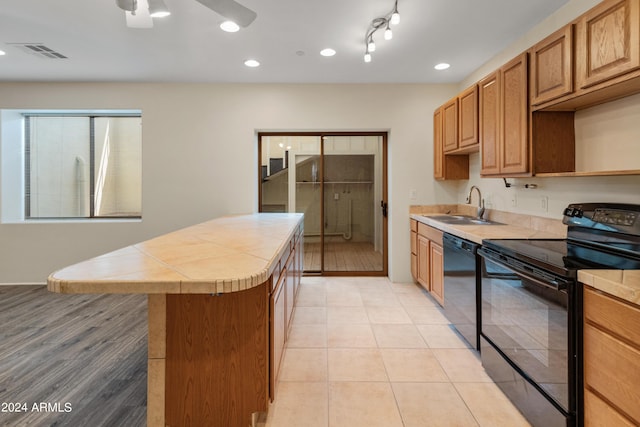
(385, 235)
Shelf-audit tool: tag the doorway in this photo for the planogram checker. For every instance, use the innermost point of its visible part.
(338, 180)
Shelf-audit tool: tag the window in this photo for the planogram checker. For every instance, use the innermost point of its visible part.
(82, 166)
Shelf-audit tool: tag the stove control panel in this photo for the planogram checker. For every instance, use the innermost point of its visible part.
(615, 217)
(573, 212)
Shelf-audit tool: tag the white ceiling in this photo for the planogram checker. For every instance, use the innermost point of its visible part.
(188, 46)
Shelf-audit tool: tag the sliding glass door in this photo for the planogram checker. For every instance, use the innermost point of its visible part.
(339, 182)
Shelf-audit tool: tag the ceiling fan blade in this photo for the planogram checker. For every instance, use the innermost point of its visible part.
(141, 18)
(231, 10)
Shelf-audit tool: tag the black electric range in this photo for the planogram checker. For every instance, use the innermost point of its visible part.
(531, 307)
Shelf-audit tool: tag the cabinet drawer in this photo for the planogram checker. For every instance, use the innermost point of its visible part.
(621, 318)
(612, 368)
(414, 225)
(598, 413)
(430, 233)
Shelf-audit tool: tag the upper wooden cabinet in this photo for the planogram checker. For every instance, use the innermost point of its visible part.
(608, 41)
(504, 124)
(446, 167)
(450, 125)
(552, 67)
(460, 123)
(489, 113)
(468, 118)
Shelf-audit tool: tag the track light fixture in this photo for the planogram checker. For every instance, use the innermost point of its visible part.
(385, 22)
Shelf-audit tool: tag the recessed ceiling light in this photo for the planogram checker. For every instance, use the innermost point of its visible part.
(229, 26)
(251, 63)
(2, 52)
(442, 66)
(327, 52)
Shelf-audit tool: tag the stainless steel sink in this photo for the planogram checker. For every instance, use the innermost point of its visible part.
(462, 220)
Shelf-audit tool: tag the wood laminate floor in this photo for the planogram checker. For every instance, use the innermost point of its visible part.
(342, 256)
(86, 351)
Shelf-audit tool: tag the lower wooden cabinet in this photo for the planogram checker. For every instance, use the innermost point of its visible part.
(436, 276)
(278, 329)
(414, 249)
(423, 261)
(285, 284)
(611, 360)
(429, 260)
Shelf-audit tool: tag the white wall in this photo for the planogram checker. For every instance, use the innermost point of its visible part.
(613, 126)
(200, 157)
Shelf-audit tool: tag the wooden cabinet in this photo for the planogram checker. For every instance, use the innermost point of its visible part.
(436, 264)
(504, 123)
(460, 123)
(430, 261)
(414, 248)
(611, 359)
(450, 125)
(489, 112)
(608, 41)
(423, 261)
(285, 282)
(290, 291)
(278, 330)
(446, 166)
(514, 153)
(552, 66)
(468, 118)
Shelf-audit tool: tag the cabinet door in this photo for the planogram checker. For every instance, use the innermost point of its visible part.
(551, 66)
(514, 153)
(278, 331)
(608, 41)
(290, 291)
(436, 272)
(489, 94)
(438, 169)
(450, 125)
(468, 117)
(423, 261)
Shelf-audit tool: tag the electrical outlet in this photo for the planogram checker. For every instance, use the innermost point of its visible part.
(488, 202)
(544, 203)
(514, 200)
(336, 196)
(413, 194)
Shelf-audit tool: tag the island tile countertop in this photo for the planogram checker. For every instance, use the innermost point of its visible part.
(223, 255)
(624, 284)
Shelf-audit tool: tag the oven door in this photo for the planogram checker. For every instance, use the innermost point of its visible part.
(526, 318)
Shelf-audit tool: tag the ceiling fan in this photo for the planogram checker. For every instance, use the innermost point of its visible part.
(139, 13)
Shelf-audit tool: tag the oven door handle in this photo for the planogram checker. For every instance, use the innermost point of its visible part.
(520, 269)
(555, 284)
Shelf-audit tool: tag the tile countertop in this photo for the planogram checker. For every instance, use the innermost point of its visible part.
(624, 284)
(227, 254)
(529, 227)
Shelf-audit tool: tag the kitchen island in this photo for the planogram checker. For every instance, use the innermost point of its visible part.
(216, 292)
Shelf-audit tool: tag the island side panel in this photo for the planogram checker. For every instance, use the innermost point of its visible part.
(217, 358)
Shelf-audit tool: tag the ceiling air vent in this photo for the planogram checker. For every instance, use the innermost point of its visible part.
(38, 49)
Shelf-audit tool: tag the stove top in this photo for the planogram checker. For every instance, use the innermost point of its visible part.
(562, 256)
(600, 236)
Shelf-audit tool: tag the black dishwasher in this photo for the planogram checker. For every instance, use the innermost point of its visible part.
(461, 285)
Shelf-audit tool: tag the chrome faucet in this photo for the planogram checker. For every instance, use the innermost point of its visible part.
(480, 211)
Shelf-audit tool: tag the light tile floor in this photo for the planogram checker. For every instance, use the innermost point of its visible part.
(364, 351)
